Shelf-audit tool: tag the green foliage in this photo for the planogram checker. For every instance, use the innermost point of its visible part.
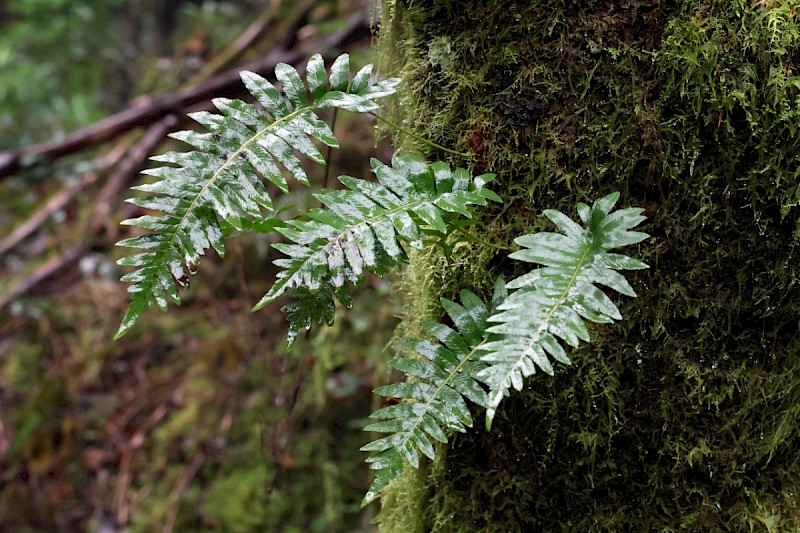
(236, 503)
(368, 227)
(548, 303)
(361, 228)
(447, 375)
(217, 187)
(54, 66)
(552, 302)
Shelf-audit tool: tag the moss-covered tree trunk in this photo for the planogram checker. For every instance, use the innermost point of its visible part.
(684, 416)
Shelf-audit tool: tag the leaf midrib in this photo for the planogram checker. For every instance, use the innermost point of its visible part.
(397, 209)
(441, 387)
(543, 326)
(218, 173)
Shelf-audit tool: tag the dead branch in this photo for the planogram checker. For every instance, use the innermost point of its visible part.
(150, 109)
(44, 271)
(134, 161)
(54, 204)
(62, 198)
(183, 483)
(242, 43)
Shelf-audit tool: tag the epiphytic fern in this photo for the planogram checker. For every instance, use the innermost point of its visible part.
(221, 181)
(552, 302)
(361, 227)
(307, 308)
(547, 304)
(446, 374)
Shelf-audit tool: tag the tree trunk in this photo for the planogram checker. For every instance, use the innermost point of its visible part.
(683, 416)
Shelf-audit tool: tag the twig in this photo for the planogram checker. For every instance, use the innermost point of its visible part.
(44, 271)
(54, 204)
(237, 47)
(123, 482)
(127, 449)
(62, 198)
(5, 440)
(329, 155)
(129, 166)
(183, 482)
(417, 137)
(134, 160)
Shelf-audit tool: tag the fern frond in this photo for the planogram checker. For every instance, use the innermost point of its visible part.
(221, 182)
(436, 402)
(362, 227)
(552, 302)
(307, 308)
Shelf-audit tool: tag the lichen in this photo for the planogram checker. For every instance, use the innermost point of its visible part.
(683, 416)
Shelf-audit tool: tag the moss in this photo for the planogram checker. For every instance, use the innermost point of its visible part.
(683, 416)
(403, 507)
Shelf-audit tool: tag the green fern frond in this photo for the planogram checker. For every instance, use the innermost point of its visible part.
(220, 183)
(307, 308)
(552, 302)
(435, 403)
(362, 227)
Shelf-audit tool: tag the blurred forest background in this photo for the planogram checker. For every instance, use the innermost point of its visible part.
(197, 420)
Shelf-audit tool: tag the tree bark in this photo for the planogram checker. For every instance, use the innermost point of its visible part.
(684, 415)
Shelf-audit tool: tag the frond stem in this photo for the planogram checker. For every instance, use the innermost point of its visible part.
(484, 241)
(330, 151)
(417, 137)
(543, 326)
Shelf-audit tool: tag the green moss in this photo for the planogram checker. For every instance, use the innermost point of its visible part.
(683, 417)
(403, 507)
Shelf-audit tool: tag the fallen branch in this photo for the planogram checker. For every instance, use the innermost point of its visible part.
(183, 483)
(44, 271)
(129, 168)
(62, 198)
(153, 108)
(54, 204)
(242, 43)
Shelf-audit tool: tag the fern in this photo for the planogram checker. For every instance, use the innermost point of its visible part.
(547, 304)
(307, 308)
(362, 227)
(552, 302)
(447, 375)
(219, 188)
(220, 183)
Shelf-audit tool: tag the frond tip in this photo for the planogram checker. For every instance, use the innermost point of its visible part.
(221, 183)
(550, 304)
